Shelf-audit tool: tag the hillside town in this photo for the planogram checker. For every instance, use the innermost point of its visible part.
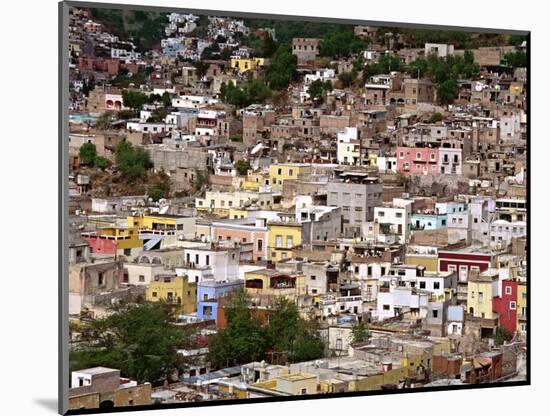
(267, 208)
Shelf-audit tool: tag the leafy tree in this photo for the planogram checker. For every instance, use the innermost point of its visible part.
(242, 166)
(243, 340)
(359, 333)
(166, 99)
(132, 162)
(516, 40)
(436, 117)
(282, 69)
(104, 121)
(251, 92)
(516, 59)
(307, 345)
(87, 153)
(160, 187)
(386, 64)
(346, 78)
(341, 42)
(318, 89)
(201, 179)
(137, 339)
(236, 138)
(502, 334)
(266, 47)
(283, 325)
(226, 53)
(101, 163)
(447, 91)
(133, 99)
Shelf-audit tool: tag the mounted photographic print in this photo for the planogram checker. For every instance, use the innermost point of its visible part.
(267, 208)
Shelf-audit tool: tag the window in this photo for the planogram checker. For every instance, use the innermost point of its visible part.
(207, 260)
(436, 285)
(422, 285)
(313, 277)
(435, 313)
(141, 278)
(167, 279)
(480, 296)
(508, 290)
(451, 267)
(289, 241)
(278, 241)
(386, 307)
(512, 305)
(100, 279)
(260, 244)
(155, 294)
(303, 391)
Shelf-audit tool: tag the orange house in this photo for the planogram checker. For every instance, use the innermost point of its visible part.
(250, 232)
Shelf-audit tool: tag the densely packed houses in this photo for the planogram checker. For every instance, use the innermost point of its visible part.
(375, 188)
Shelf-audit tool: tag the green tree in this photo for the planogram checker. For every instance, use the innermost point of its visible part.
(516, 40)
(166, 99)
(346, 78)
(516, 59)
(308, 344)
(435, 118)
(237, 138)
(502, 334)
(341, 42)
(318, 89)
(282, 69)
(137, 339)
(101, 163)
(243, 340)
(447, 91)
(252, 92)
(87, 153)
(359, 333)
(133, 99)
(201, 179)
(242, 166)
(283, 325)
(131, 161)
(104, 121)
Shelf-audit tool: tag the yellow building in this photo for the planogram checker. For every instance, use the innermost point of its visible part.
(279, 172)
(481, 290)
(220, 203)
(429, 261)
(376, 381)
(115, 240)
(274, 283)
(373, 158)
(246, 64)
(163, 223)
(521, 312)
(203, 229)
(174, 290)
(237, 213)
(256, 179)
(283, 237)
(293, 384)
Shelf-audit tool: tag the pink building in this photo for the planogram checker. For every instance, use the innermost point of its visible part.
(252, 233)
(417, 160)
